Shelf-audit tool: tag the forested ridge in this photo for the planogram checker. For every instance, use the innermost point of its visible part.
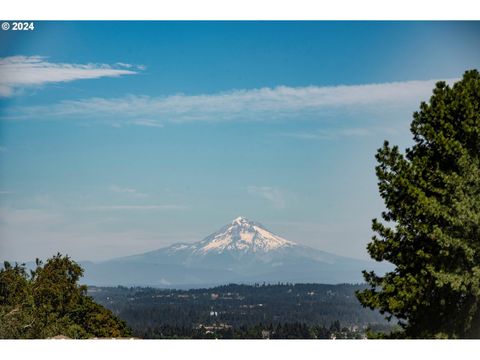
(243, 311)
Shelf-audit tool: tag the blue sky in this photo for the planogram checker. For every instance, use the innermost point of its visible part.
(122, 137)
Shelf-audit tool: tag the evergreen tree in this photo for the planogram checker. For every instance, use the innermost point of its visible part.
(431, 229)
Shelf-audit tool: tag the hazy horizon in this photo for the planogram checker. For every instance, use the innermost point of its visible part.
(120, 138)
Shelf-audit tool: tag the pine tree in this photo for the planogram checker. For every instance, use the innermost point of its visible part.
(431, 229)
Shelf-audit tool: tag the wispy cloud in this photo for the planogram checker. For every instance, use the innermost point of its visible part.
(18, 72)
(137, 207)
(274, 195)
(125, 190)
(337, 133)
(146, 122)
(248, 104)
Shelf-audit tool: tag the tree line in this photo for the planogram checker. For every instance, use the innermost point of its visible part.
(238, 305)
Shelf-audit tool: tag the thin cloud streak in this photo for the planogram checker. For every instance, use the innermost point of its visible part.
(17, 72)
(247, 105)
(338, 133)
(137, 207)
(124, 190)
(271, 194)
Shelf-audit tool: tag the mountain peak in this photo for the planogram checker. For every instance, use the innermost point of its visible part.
(240, 220)
(242, 235)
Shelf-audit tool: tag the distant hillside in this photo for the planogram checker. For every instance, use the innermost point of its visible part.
(150, 311)
(242, 251)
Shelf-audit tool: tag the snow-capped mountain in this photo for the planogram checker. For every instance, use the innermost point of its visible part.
(241, 235)
(241, 251)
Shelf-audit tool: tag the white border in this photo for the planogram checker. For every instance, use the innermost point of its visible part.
(240, 10)
(238, 349)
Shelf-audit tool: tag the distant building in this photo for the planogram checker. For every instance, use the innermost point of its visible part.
(214, 327)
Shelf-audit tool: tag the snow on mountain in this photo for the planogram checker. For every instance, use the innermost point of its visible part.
(240, 235)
